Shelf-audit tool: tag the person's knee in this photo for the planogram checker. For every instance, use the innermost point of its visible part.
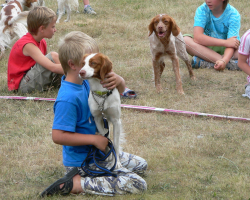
(55, 56)
(142, 186)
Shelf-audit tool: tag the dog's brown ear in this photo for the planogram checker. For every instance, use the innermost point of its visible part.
(151, 27)
(175, 29)
(106, 66)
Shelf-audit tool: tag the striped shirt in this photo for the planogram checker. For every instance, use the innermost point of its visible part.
(244, 48)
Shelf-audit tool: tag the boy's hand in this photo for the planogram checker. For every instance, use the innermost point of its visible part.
(110, 81)
(101, 142)
(232, 42)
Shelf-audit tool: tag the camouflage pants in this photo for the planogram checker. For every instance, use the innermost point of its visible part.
(127, 180)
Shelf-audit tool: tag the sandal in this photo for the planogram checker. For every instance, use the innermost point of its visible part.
(128, 94)
(55, 187)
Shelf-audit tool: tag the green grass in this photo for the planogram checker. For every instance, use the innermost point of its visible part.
(188, 157)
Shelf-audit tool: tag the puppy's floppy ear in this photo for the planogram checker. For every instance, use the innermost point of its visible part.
(151, 27)
(106, 66)
(175, 29)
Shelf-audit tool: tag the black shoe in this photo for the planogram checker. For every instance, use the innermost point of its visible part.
(55, 187)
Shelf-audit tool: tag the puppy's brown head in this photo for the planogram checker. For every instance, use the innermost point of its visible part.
(163, 25)
(96, 66)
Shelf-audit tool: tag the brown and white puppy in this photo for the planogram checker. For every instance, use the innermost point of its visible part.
(166, 40)
(95, 67)
(13, 22)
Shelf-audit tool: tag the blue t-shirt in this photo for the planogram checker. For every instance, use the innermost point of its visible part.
(223, 27)
(72, 114)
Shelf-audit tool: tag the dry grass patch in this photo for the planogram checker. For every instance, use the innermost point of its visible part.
(188, 157)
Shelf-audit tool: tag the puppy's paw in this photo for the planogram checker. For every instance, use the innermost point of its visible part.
(180, 91)
(193, 78)
(158, 89)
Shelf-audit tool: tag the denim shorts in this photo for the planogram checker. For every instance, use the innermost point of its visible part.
(39, 78)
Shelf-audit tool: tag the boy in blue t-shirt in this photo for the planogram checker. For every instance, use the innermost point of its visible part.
(215, 39)
(75, 129)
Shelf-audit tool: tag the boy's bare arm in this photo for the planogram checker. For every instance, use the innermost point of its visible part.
(201, 38)
(77, 139)
(35, 53)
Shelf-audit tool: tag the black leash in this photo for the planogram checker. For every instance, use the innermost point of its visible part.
(98, 156)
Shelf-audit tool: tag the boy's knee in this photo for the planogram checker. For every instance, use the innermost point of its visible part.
(141, 186)
(55, 57)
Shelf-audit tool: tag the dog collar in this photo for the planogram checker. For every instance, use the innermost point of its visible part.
(103, 93)
(100, 92)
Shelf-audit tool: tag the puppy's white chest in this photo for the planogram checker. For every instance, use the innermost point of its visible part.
(101, 102)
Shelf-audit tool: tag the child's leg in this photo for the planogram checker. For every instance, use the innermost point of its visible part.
(39, 78)
(55, 57)
(200, 51)
(235, 55)
(133, 163)
(126, 182)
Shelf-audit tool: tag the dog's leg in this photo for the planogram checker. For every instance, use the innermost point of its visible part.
(176, 68)
(2, 48)
(116, 138)
(157, 74)
(114, 113)
(190, 70)
(60, 11)
(184, 56)
(99, 124)
(162, 67)
(68, 9)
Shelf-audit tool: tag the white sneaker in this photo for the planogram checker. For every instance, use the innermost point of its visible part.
(247, 91)
(89, 10)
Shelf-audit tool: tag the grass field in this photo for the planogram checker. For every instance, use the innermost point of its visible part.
(188, 157)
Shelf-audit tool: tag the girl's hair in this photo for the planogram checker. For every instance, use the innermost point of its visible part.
(39, 16)
(225, 2)
(73, 47)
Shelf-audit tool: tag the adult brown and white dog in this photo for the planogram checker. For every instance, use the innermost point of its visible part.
(13, 22)
(166, 40)
(66, 5)
(102, 101)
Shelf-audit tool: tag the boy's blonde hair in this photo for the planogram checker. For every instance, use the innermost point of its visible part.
(73, 46)
(39, 16)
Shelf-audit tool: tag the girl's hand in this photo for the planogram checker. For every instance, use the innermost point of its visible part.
(220, 65)
(110, 81)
